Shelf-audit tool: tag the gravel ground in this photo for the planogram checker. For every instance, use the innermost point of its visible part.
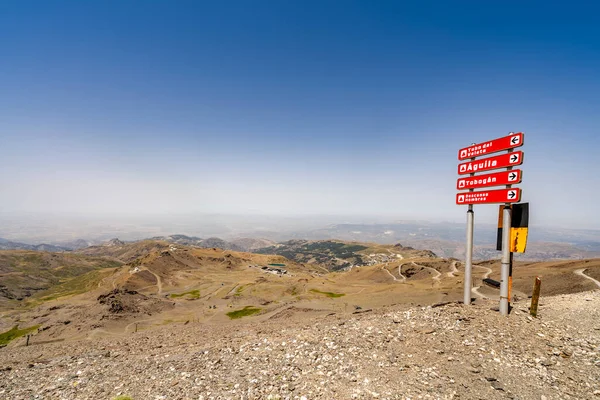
(401, 352)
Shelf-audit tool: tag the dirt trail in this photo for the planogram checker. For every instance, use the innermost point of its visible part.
(453, 270)
(158, 282)
(581, 272)
(488, 271)
(359, 292)
(104, 280)
(475, 289)
(233, 289)
(389, 273)
(436, 273)
(136, 322)
(99, 332)
(400, 273)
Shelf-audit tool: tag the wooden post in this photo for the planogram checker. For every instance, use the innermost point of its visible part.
(136, 326)
(27, 343)
(535, 297)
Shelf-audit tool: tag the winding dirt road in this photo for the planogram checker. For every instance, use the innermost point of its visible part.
(475, 289)
(389, 273)
(453, 270)
(436, 273)
(488, 271)
(581, 272)
(158, 282)
(400, 273)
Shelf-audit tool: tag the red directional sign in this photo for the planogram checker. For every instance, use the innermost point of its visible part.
(489, 196)
(486, 164)
(493, 146)
(496, 179)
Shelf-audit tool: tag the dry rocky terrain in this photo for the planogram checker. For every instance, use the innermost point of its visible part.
(450, 351)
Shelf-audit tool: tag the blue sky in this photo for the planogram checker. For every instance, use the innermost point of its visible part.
(294, 107)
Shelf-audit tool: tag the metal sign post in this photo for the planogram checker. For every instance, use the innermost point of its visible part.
(504, 272)
(469, 255)
(469, 250)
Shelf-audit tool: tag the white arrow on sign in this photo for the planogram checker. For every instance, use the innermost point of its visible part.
(514, 158)
(515, 140)
(512, 194)
(512, 176)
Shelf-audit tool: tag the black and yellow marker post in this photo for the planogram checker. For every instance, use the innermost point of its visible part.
(519, 228)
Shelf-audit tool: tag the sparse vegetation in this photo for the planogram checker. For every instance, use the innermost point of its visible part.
(77, 285)
(239, 290)
(38, 274)
(14, 333)
(328, 294)
(122, 398)
(193, 295)
(244, 312)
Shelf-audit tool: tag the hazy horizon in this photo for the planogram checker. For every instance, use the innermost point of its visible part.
(57, 229)
(306, 110)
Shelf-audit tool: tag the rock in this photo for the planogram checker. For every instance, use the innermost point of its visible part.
(566, 353)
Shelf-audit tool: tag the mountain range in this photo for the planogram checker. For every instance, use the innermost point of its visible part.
(8, 245)
(444, 239)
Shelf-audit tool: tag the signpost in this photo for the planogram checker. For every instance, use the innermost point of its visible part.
(489, 196)
(511, 177)
(487, 164)
(507, 196)
(511, 141)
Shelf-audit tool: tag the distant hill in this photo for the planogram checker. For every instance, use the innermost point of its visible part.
(448, 239)
(125, 251)
(338, 255)
(8, 245)
(180, 239)
(251, 244)
(536, 251)
(237, 244)
(76, 244)
(23, 273)
(193, 241)
(220, 244)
